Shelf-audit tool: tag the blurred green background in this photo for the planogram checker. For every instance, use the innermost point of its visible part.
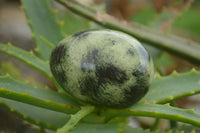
(179, 17)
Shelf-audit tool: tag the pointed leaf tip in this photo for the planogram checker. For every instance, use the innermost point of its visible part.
(9, 44)
(55, 11)
(32, 35)
(7, 75)
(193, 70)
(157, 76)
(174, 72)
(167, 104)
(61, 23)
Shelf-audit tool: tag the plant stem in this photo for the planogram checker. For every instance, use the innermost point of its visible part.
(75, 119)
(179, 46)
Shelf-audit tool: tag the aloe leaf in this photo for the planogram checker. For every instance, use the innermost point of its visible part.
(188, 24)
(39, 116)
(28, 58)
(41, 18)
(145, 15)
(157, 111)
(185, 129)
(126, 127)
(112, 126)
(9, 68)
(168, 88)
(165, 63)
(96, 128)
(167, 17)
(26, 93)
(116, 125)
(47, 42)
(72, 23)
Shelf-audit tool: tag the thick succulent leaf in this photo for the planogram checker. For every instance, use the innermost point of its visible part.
(188, 24)
(96, 128)
(42, 20)
(167, 17)
(162, 21)
(157, 111)
(28, 58)
(145, 15)
(165, 63)
(112, 126)
(9, 68)
(35, 115)
(26, 93)
(185, 129)
(116, 125)
(174, 86)
(72, 23)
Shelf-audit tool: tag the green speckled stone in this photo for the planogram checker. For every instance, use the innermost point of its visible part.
(102, 67)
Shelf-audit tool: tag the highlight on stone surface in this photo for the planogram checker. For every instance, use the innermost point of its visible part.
(102, 67)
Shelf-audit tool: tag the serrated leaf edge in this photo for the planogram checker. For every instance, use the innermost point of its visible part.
(27, 118)
(28, 99)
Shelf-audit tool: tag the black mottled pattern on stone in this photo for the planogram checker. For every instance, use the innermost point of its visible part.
(108, 73)
(56, 64)
(135, 94)
(136, 73)
(140, 88)
(105, 73)
(90, 59)
(89, 86)
(113, 42)
(130, 52)
(140, 76)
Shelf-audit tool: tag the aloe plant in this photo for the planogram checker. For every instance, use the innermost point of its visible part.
(56, 110)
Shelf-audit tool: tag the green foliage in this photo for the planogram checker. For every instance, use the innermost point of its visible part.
(129, 129)
(27, 57)
(111, 127)
(42, 20)
(25, 92)
(185, 129)
(36, 115)
(75, 119)
(9, 68)
(158, 111)
(55, 110)
(71, 23)
(169, 88)
(189, 23)
(145, 16)
(165, 63)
